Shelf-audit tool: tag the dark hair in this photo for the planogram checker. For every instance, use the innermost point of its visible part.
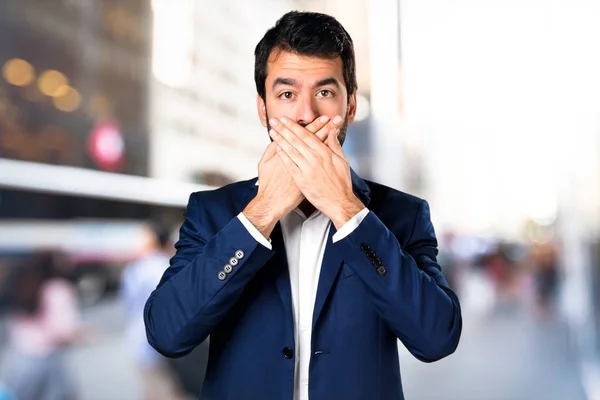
(161, 231)
(308, 34)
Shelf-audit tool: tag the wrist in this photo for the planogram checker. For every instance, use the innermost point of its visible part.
(345, 211)
(261, 215)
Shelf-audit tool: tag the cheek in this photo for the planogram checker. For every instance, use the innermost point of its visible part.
(332, 108)
(279, 109)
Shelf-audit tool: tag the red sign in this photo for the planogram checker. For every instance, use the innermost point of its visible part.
(106, 146)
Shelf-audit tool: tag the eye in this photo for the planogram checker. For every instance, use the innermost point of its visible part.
(325, 93)
(286, 95)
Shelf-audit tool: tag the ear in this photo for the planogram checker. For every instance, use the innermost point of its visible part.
(351, 107)
(261, 107)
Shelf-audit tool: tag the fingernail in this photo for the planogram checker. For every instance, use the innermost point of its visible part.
(283, 120)
(324, 118)
(273, 121)
(337, 119)
(272, 132)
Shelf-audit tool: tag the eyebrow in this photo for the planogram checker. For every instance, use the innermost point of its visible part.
(292, 82)
(328, 81)
(284, 81)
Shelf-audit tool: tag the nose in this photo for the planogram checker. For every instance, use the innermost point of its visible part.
(306, 111)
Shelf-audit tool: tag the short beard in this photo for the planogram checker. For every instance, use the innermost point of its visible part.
(341, 136)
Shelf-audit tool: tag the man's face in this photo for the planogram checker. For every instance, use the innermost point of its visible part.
(304, 88)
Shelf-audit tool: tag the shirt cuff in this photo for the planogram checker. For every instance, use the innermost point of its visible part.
(254, 232)
(351, 225)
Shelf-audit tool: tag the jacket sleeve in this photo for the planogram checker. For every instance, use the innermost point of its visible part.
(198, 288)
(406, 284)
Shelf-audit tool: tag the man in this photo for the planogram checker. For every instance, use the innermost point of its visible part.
(305, 278)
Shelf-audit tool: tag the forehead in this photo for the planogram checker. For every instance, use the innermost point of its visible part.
(303, 68)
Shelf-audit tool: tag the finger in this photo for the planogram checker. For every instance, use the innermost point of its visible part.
(317, 124)
(303, 148)
(295, 154)
(301, 132)
(334, 143)
(324, 132)
(288, 163)
(270, 151)
(314, 143)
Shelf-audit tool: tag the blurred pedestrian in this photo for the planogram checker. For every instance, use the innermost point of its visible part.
(546, 273)
(139, 279)
(44, 324)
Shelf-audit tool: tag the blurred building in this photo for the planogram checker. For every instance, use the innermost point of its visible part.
(74, 134)
(73, 93)
(74, 83)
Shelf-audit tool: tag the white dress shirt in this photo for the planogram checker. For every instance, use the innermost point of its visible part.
(305, 240)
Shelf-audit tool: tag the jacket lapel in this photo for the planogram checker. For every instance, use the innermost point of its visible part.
(333, 258)
(281, 274)
(330, 267)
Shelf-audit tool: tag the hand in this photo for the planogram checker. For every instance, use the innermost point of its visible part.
(320, 169)
(277, 191)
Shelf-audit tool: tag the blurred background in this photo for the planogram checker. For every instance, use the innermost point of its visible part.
(113, 111)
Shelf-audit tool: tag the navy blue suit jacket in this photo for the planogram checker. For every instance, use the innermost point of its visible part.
(379, 284)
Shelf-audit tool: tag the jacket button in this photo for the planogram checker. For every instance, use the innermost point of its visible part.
(288, 353)
(365, 247)
(381, 270)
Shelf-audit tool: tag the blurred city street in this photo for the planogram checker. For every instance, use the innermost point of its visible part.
(504, 356)
(113, 112)
(501, 357)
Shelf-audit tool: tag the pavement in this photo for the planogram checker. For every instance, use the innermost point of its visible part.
(503, 355)
(507, 355)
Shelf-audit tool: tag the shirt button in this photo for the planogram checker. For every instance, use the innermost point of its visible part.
(288, 352)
